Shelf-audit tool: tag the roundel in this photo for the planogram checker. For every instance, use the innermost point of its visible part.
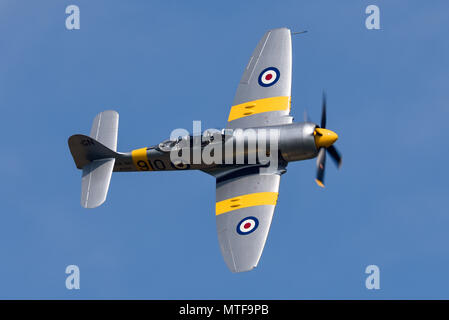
(247, 225)
(269, 76)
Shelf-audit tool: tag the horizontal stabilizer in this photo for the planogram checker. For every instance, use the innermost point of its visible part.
(95, 182)
(105, 129)
(95, 155)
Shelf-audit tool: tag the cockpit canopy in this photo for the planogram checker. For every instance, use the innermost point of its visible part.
(187, 141)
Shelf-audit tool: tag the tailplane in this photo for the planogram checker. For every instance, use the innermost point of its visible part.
(95, 155)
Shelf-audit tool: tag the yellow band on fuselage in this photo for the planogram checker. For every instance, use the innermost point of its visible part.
(140, 159)
(258, 106)
(246, 200)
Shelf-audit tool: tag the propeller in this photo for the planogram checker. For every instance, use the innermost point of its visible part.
(324, 140)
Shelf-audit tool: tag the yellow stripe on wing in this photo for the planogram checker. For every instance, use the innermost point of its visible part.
(245, 201)
(258, 106)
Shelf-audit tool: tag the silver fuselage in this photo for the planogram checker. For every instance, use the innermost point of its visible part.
(294, 142)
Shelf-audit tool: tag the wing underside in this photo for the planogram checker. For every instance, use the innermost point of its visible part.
(246, 198)
(264, 92)
(244, 209)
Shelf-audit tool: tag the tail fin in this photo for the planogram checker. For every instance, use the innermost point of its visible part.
(96, 155)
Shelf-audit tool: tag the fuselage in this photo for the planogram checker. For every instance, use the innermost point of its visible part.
(259, 146)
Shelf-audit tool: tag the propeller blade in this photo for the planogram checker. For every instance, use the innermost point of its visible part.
(335, 155)
(321, 164)
(323, 113)
(306, 116)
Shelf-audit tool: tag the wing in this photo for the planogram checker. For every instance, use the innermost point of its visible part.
(244, 208)
(263, 96)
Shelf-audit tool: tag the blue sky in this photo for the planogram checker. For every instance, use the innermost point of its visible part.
(162, 64)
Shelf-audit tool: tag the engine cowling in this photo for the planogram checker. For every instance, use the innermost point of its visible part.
(297, 141)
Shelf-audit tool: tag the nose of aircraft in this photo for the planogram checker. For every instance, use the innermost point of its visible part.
(324, 137)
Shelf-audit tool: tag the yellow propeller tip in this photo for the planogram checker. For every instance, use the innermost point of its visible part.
(318, 182)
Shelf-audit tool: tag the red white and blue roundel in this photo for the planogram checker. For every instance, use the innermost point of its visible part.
(269, 76)
(247, 225)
